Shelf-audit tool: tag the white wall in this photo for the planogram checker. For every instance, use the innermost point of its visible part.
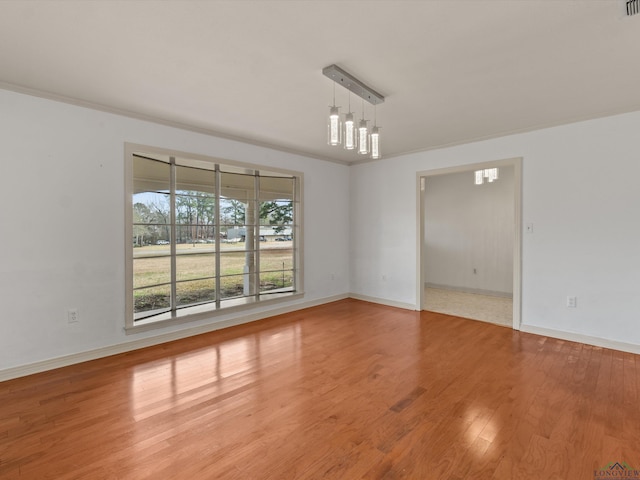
(62, 223)
(469, 232)
(580, 190)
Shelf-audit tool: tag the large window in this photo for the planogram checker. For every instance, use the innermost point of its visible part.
(203, 235)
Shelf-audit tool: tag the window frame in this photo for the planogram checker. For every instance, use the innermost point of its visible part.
(212, 309)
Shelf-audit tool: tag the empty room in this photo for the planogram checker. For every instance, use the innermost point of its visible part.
(282, 240)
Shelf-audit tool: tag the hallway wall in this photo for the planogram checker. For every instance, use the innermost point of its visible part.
(469, 231)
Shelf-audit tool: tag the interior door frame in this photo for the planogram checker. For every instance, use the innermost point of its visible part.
(421, 176)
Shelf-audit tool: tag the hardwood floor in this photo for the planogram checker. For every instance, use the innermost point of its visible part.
(349, 390)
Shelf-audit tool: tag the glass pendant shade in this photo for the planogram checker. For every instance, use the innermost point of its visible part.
(350, 138)
(363, 138)
(375, 142)
(334, 130)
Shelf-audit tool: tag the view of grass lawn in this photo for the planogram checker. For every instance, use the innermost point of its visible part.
(195, 272)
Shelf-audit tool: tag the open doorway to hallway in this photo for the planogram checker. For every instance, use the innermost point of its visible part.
(469, 246)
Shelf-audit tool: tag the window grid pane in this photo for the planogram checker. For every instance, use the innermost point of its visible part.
(195, 266)
(233, 286)
(195, 292)
(151, 271)
(276, 280)
(152, 299)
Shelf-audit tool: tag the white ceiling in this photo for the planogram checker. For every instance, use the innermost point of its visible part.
(452, 71)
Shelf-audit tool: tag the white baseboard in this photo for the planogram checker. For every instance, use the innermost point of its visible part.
(586, 339)
(58, 362)
(383, 301)
(64, 361)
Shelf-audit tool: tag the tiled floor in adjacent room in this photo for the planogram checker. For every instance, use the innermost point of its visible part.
(487, 308)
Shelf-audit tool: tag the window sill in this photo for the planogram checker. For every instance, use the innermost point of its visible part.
(203, 312)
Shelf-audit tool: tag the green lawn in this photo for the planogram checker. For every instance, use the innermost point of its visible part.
(195, 265)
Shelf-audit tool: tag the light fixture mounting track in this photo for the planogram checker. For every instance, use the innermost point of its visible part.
(352, 84)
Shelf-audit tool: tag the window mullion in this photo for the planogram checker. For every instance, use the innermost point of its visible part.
(217, 224)
(294, 233)
(256, 207)
(172, 216)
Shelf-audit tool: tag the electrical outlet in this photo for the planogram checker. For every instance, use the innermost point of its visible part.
(72, 315)
(572, 302)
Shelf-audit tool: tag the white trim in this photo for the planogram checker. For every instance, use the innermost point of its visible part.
(383, 301)
(421, 183)
(211, 309)
(517, 243)
(579, 338)
(64, 361)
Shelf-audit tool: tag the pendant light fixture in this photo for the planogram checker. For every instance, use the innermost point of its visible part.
(375, 137)
(359, 139)
(488, 174)
(375, 143)
(363, 135)
(334, 128)
(350, 137)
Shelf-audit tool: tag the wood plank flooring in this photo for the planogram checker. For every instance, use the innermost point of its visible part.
(348, 390)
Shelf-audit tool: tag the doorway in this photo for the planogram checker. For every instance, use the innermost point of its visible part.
(469, 241)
